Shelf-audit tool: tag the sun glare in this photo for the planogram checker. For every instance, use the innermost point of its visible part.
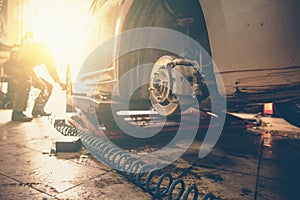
(62, 26)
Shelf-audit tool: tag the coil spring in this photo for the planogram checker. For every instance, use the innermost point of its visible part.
(132, 168)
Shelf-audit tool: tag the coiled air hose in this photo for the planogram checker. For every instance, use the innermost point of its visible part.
(134, 170)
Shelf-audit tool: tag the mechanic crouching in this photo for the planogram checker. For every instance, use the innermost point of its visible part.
(20, 72)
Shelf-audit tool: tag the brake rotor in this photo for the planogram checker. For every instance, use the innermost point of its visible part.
(161, 95)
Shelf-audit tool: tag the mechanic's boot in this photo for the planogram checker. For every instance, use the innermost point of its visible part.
(39, 112)
(20, 117)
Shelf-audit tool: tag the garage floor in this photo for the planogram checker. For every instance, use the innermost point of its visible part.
(29, 170)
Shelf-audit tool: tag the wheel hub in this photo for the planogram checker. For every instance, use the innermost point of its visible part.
(173, 79)
(161, 85)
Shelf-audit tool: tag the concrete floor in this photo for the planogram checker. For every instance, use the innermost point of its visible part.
(28, 170)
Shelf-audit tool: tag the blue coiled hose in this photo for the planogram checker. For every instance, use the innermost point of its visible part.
(133, 169)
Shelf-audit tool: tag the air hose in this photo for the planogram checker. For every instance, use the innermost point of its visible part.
(134, 170)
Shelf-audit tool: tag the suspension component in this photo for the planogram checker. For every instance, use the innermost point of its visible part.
(175, 84)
